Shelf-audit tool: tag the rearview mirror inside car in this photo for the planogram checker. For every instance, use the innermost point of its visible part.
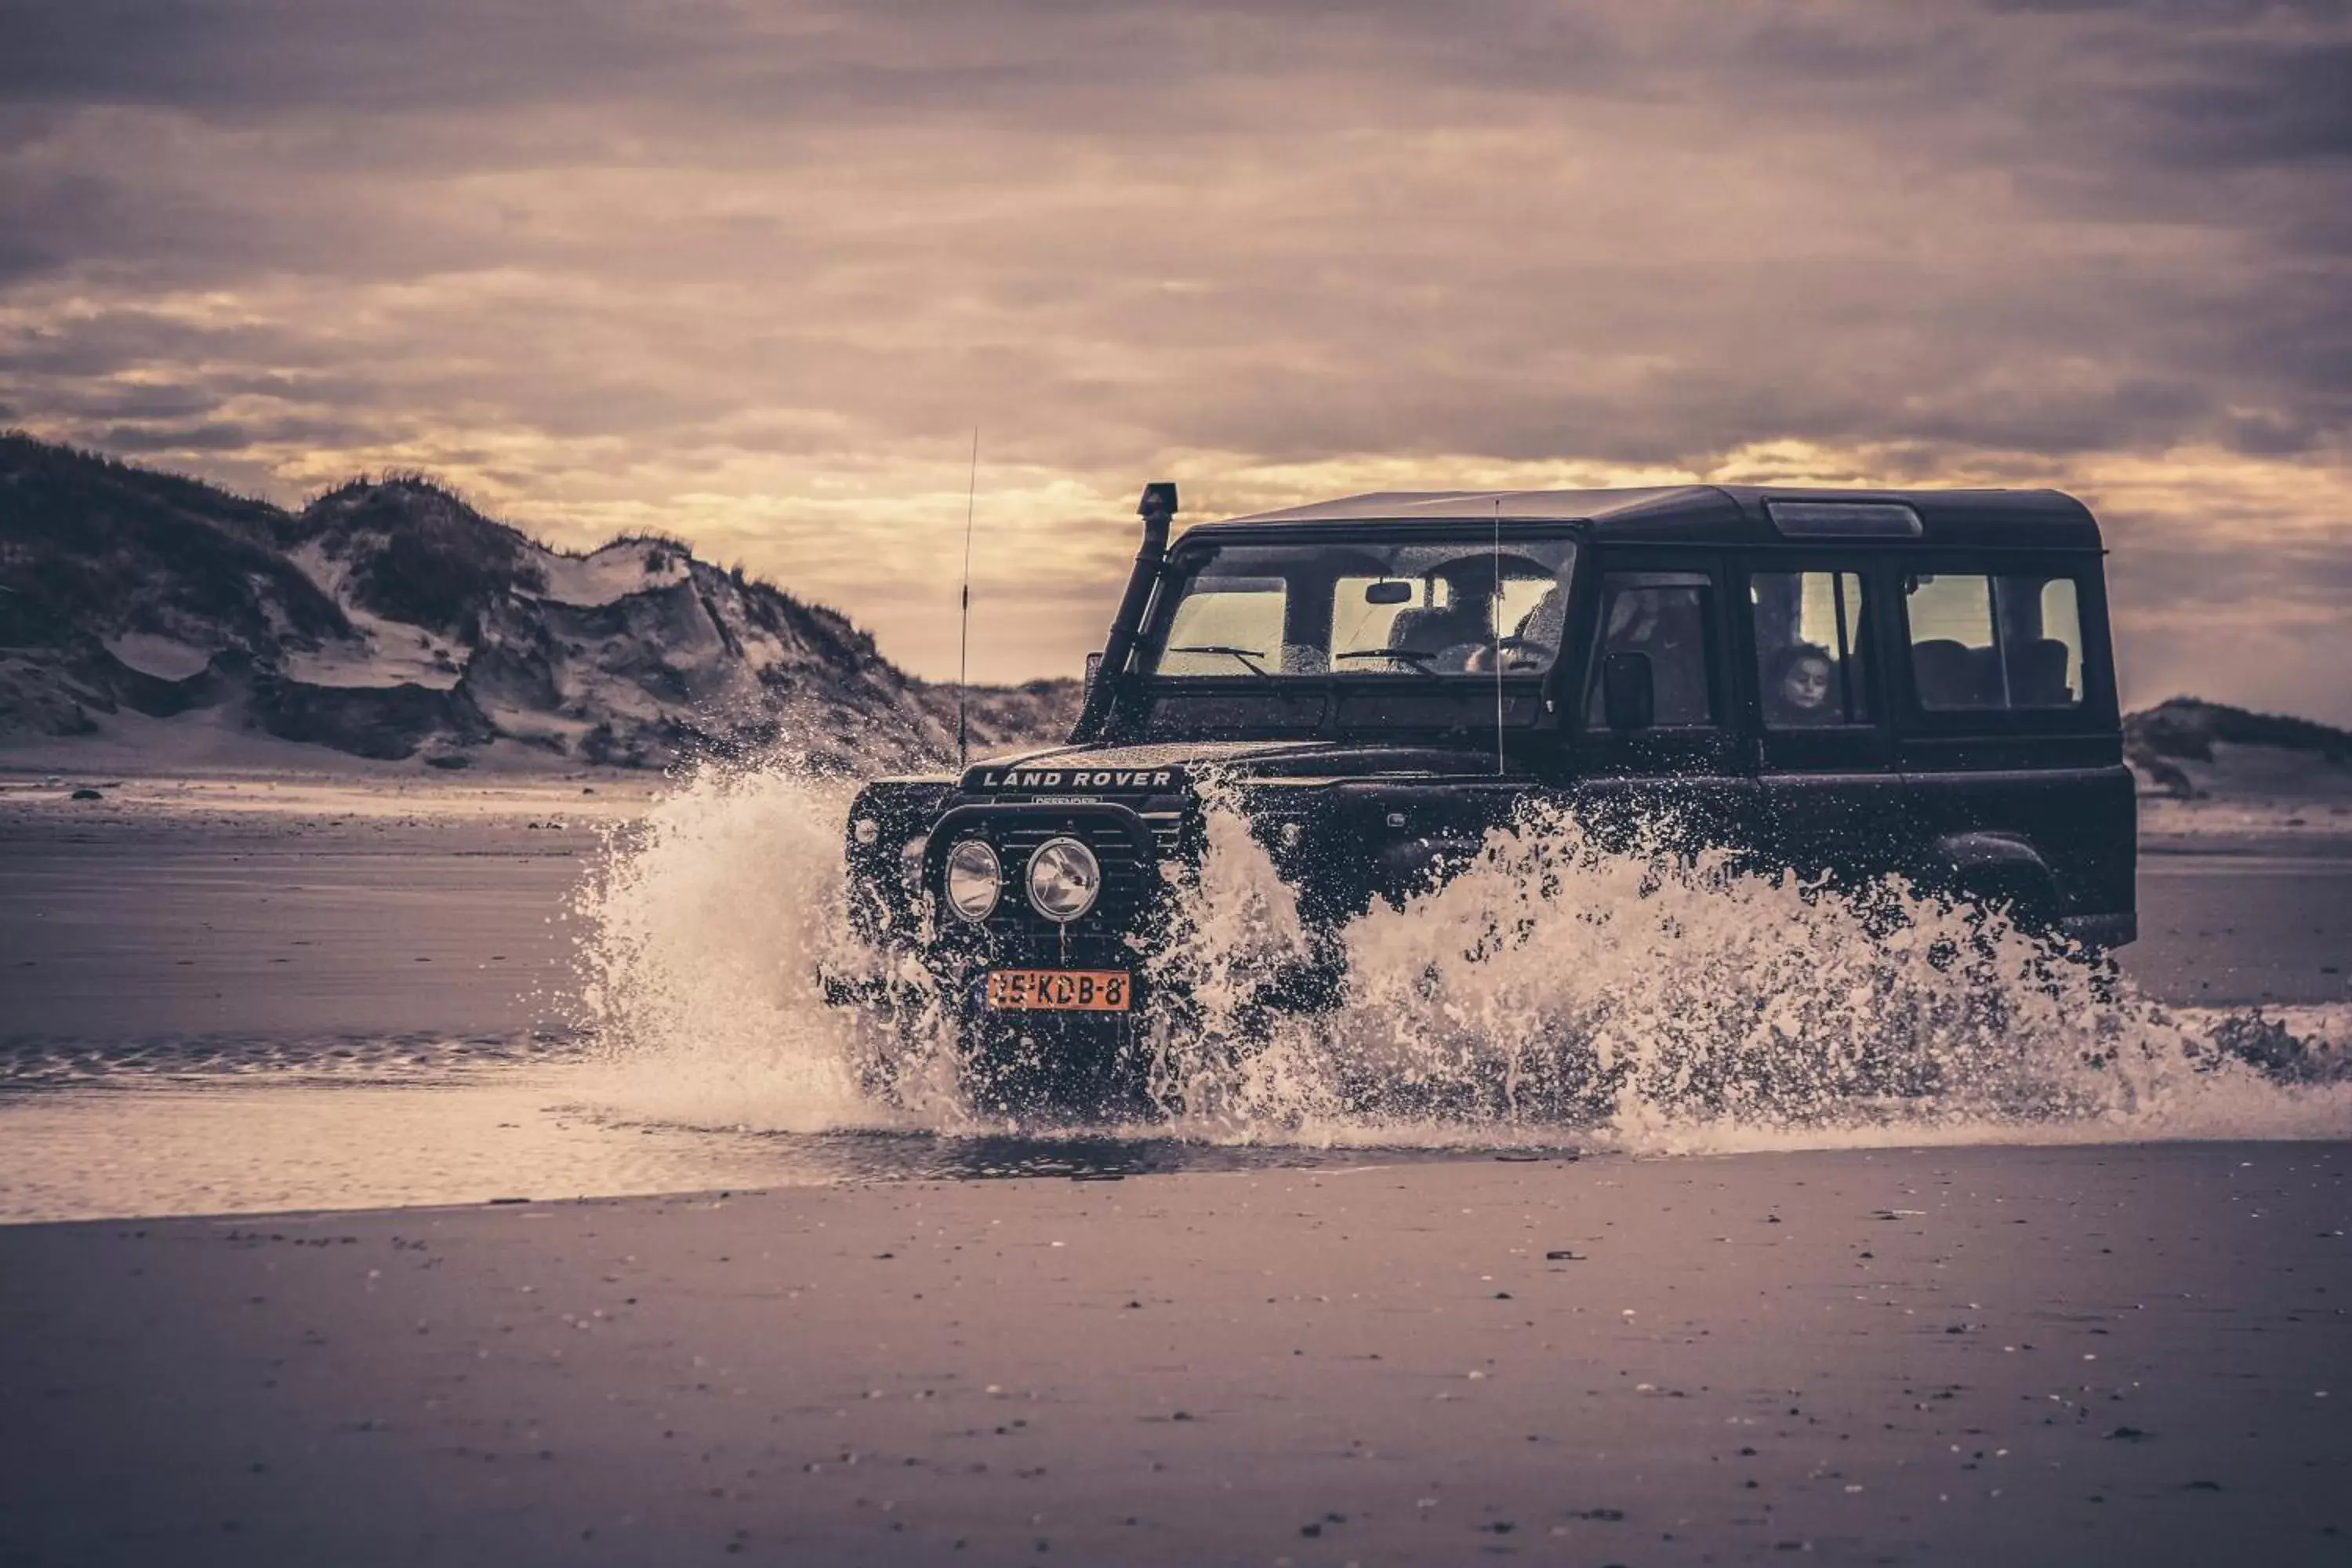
(1389, 594)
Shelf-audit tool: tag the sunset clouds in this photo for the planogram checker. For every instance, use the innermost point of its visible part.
(753, 274)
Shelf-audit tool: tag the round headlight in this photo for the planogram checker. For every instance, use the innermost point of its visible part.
(1064, 879)
(973, 879)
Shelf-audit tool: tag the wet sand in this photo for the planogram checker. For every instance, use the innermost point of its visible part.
(2139, 1353)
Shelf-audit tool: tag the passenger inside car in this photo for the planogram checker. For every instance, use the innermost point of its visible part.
(1462, 633)
(1798, 692)
(1444, 640)
(1811, 634)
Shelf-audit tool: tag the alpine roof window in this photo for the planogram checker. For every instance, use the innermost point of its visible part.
(1843, 520)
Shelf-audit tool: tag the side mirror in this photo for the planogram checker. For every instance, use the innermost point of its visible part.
(1388, 593)
(1093, 671)
(1629, 698)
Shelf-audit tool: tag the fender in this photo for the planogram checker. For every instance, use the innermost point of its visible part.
(1416, 864)
(1999, 866)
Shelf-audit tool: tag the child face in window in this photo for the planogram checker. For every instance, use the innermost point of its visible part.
(1805, 684)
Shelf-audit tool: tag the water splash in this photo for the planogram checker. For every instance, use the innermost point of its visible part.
(712, 920)
(1552, 992)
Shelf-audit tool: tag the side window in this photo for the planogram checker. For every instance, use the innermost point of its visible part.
(1667, 623)
(2003, 643)
(1812, 656)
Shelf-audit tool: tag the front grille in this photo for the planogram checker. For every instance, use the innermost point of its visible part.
(1167, 831)
(1128, 879)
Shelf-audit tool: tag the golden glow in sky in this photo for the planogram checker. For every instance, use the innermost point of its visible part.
(751, 275)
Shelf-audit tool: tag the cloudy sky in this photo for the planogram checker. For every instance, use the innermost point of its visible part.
(753, 273)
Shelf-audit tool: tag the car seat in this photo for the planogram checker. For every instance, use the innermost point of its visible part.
(1949, 675)
(2037, 675)
(1429, 631)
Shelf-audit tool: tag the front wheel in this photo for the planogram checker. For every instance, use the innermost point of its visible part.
(1068, 1069)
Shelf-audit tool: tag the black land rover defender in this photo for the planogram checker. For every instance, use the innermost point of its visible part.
(1846, 683)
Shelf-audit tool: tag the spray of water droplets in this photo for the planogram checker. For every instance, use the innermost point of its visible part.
(1550, 992)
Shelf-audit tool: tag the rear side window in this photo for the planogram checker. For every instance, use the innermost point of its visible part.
(1811, 658)
(2000, 643)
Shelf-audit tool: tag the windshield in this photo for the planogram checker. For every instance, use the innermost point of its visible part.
(1401, 609)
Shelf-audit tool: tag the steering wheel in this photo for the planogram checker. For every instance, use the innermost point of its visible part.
(1477, 662)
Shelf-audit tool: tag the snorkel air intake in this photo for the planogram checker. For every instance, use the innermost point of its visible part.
(1158, 509)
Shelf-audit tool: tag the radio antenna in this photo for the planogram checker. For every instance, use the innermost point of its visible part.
(1494, 615)
(963, 632)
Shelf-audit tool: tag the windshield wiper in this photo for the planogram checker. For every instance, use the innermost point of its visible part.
(1247, 657)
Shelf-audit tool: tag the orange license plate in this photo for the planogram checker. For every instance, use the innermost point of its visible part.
(1059, 991)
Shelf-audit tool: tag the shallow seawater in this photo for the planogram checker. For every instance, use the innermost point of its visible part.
(222, 1126)
(1551, 999)
(1550, 993)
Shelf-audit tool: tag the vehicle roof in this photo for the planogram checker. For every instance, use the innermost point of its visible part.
(1706, 513)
